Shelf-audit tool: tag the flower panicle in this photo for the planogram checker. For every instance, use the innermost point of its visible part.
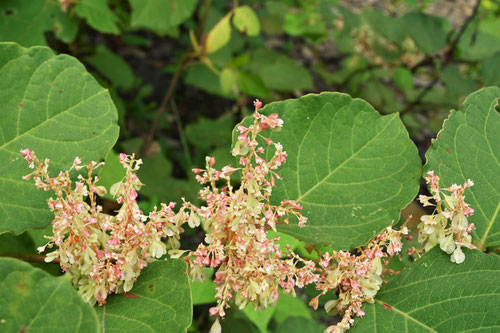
(356, 278)
(102, 253)
(448, 226)
(250, 265)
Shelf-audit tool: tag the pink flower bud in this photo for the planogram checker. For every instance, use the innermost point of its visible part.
(132, 195)
(113, 241)
(27, 154)
(257, 104)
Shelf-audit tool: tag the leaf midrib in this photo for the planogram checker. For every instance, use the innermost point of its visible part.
(301, 196)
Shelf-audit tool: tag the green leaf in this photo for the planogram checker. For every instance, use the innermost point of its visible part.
(228, 77)
(26, 22)
(252, 85)
(51, 105)
(352, 169)
(219, 35)
(113, 67)
(279, 72)
(159, 302)
(156, 174)
(260, 318)
(289, 306)
(98, 15)
(436, 295)
(159, 15)
(403, 79)
(385, 25)
(490, 70)
(475, 46)
(468, 148)
(200, 76)
(458, 84)
(112, 172)
(428, 31)
(300, 325)
(10, 244)
(208, 133)
(32, 300)
(246, 21)
(204, 292)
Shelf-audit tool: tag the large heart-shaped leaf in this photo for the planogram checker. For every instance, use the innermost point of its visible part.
(351, 169)
(51, 105)
(159, 302)
(32, 300)
(436, 295)
(26, 21)
(468, 147)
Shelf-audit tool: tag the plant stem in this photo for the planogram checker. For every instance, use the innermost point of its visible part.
(31, 258)
(163, 106)
(180, 129)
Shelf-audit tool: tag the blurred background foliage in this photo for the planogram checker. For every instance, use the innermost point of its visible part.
(182, 73)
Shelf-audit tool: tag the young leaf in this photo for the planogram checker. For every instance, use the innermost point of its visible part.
(52, 105)
(435, 295)
(219, 35)
(32, 300)
(468, 147)
(26, 21)
(159, 302)
(159, 15)
(98, 15)
(350, 168)
(246, 21)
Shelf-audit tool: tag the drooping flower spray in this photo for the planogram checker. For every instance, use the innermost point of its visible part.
(250, 266)
(102, 253)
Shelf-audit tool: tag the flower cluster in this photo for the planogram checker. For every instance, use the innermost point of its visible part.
(449, 205)
(102, 253)
(251, 266)
(356, 278)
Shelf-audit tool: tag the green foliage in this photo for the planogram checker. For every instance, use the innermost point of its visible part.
(352, 169)
(246, 21)
(467, 148)
(26, 22)
(300, 325)
(434, 295)
(114, 68)
(32, 300)
(51, 105)
(279, 72)
(159, 302)
(160, 16)
(344, 160)
(98, 15)
(429, 32)
(219, 35)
